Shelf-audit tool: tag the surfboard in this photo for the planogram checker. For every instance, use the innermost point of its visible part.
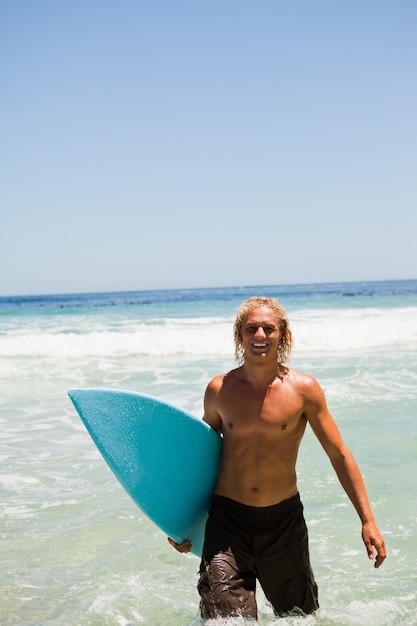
(165, 458)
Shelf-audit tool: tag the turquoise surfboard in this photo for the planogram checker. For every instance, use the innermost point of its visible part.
(165, 458)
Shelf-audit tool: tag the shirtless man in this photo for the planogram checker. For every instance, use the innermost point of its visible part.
(256, 528)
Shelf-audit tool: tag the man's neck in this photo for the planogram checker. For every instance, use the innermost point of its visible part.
(261, 375)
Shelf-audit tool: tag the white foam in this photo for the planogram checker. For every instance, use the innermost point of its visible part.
(13, 481)
(350, 330)
(173, 337)
(315, 331)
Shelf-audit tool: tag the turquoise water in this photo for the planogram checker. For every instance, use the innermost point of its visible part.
(77, 551)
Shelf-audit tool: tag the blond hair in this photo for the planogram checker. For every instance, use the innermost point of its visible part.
(285, 344)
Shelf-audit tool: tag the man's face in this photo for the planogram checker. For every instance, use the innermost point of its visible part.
(260, 334)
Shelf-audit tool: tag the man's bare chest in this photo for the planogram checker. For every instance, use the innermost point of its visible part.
(270, 412)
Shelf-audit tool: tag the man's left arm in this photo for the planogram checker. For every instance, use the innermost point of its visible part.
(345, 466)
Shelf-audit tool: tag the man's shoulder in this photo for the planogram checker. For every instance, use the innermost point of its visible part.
(220, 380)
(304, 383)
(307, 387)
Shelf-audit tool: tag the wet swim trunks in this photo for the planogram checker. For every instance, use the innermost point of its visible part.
(244, 544)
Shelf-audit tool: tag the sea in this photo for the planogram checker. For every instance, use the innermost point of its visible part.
(76, 551)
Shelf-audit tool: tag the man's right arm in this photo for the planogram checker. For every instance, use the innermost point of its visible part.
(212, 418)
(211, 415)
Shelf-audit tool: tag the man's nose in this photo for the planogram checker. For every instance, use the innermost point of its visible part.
(260, 332)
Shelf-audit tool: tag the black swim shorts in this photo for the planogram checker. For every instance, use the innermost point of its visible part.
(244, 544)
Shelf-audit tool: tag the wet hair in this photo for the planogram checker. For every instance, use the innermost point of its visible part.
(285, 344)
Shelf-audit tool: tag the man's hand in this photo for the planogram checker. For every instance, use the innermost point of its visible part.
(372, 538)
(181, 547)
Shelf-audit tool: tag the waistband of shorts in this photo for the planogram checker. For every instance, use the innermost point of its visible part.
(281, 507)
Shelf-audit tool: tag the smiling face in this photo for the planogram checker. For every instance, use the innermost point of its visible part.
(260, 333)
(272, 322)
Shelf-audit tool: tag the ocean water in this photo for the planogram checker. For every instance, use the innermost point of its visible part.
(75, 551)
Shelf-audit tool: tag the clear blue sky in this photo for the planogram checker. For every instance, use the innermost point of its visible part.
(167, 144)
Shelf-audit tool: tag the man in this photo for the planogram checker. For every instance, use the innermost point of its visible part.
(256, 529)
